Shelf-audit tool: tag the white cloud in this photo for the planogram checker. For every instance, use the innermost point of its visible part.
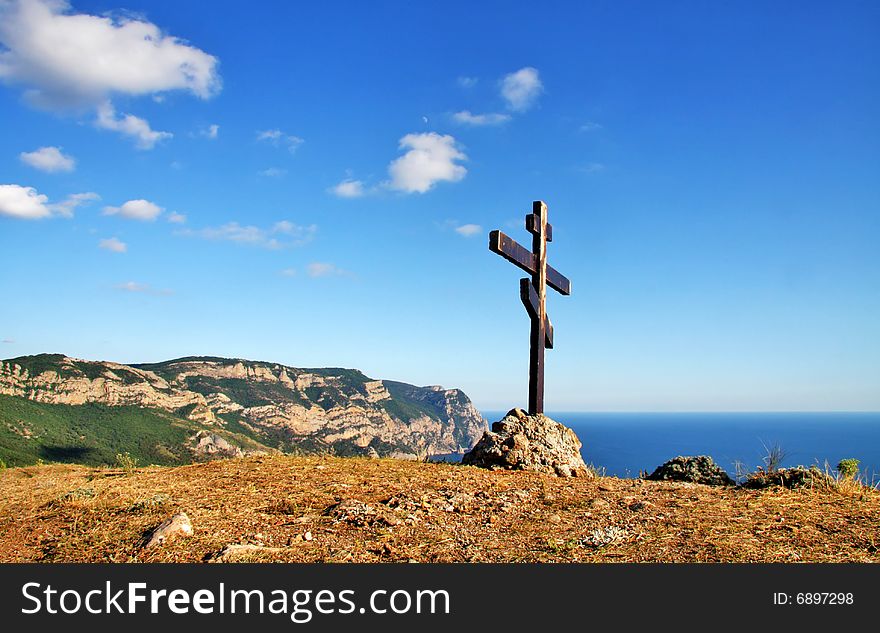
(293, 142)
(590, 126)
(48, 159)
(136, 287)
(465, 230)
(285, 226)
(348, 188)
(431, 158)
(176, 218)
(521, 89)
(289, 272)
(132, 286)
(467, 82)
(323, 269)
(26, 203)
(272, 136)
(129, 125)
(469, 230)
(492, 118)
(277, 138)
(113, 245)
(136, 210)
(67, 206)
(74, 59)
(282, 234)
(23, 202)
(273, 172)
(211, 131)
(592, 168)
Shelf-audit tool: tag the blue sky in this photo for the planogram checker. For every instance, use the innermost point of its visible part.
(313, 184)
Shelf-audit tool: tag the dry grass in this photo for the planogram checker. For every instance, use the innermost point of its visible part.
(288, 507)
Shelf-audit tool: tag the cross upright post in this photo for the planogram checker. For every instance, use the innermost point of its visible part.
(533, 292)
(539, 283)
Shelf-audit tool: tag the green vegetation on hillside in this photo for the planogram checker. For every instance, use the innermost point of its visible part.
(39, 363)
(404, 406)
(93, 434)
(167, 369)
(88, 434)
(352, 377)
(247, 393)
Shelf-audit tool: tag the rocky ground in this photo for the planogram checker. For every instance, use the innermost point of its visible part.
(282, 508)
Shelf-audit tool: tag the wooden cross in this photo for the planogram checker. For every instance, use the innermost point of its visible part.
(533, 292)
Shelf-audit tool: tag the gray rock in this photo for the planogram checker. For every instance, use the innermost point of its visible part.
(602, 537)
(529, 442)
(177, 525)
(796, 477)
(699, 470)
(207, 445)
(360, 514)
(237, 551)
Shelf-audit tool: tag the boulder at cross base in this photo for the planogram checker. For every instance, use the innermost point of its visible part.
(529, 442)
(698, 470)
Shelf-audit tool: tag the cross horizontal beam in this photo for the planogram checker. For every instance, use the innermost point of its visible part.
(518, 255)
(533, 225)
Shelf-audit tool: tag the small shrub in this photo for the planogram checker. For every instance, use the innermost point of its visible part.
(126, 462)
(284, 506)
(80, 494)
(848, 468)
(774, 457)
(698, 469)
(156, 501)
(741, 471)
(595, 471)
(2, 464)
(795, 477)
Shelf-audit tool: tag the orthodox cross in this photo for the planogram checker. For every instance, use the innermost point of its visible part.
(533, 292)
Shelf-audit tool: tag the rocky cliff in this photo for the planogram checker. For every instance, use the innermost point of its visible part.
(340, 411)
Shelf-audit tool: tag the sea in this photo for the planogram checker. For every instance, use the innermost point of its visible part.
(627, 444)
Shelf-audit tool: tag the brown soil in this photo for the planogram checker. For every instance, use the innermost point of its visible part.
(336, 509)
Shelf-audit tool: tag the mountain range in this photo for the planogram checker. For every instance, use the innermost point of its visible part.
(57, 408)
